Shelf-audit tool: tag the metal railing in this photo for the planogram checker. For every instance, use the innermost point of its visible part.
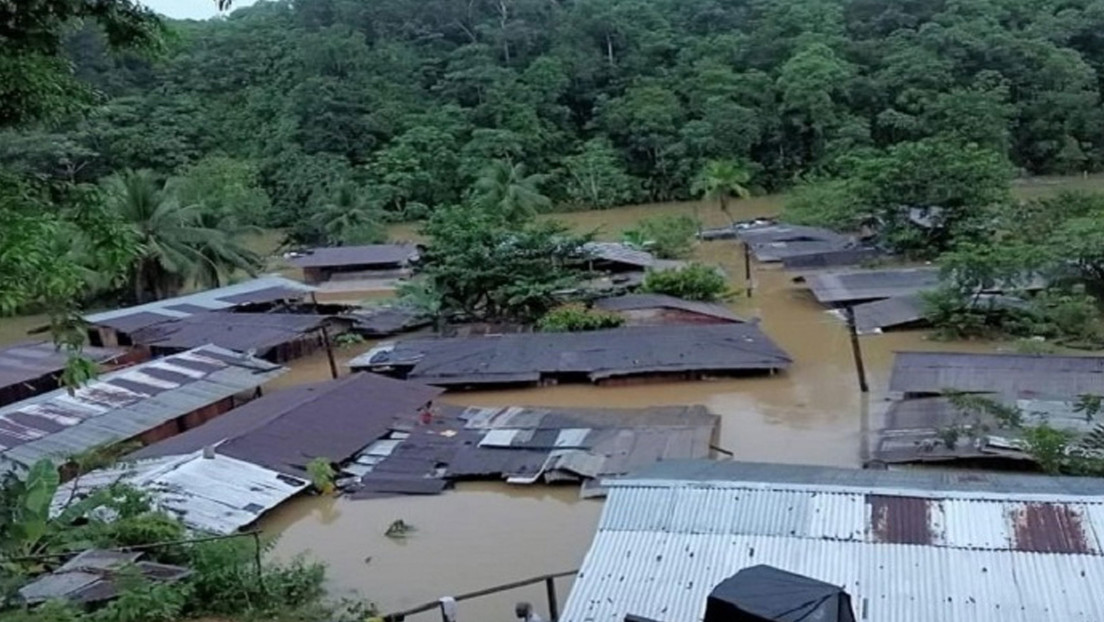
(549, 584)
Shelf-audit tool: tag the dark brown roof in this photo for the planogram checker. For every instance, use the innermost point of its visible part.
(284, 430)
(30, 361)
(242, 332)
(633, 302)
(527, 357)
(1014, 375)
(368, 255)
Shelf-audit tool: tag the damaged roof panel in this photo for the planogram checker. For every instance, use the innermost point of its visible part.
(30, 361)
(220, 494)
(103, 412)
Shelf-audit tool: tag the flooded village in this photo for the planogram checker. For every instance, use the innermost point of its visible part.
(498, 452)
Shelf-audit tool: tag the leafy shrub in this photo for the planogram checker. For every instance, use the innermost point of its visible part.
(573, 318)
(693, 282)
(667, 237)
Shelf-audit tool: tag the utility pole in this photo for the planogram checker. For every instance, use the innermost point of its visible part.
(856, 349)
(747, 268)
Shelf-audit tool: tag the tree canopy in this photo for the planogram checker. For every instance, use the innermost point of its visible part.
(610, 101)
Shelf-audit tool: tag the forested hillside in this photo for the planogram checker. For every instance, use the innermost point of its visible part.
(616, 101)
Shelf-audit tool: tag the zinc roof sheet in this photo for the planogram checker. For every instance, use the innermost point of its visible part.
(57, 425)
(631, 302)
(662, 545)
(1015, 375)
(263, 289)
(367, 255)
(839, 287)
(219, 494)
(241, 332)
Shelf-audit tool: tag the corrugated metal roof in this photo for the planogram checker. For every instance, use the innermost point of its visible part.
(241, 332)
(631, 302)
(603, 354)
(839, 287)
(616, 252)
(903, 555)
(777, 242)
(836, 258)
(263, 289)
(29, 361)
(124, 404)
(367, 255)
(1013, 375)
(219, 494)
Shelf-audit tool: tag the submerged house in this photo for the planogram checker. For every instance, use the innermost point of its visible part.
(114, 328)
(927, 425)
(285, 430)
(385, 262)
(526, 445)
(905, 545)
(855, 286)
(145, 403)
(274, 337)
(603, 357)
(659, 309)
(621, 266)
(30, 369)
(778, 241)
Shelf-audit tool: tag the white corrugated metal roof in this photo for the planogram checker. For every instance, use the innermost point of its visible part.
(219, 494)
(211, 299)
(903, 555)
(124, 404)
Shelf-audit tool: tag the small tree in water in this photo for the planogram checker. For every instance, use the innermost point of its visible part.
(693, 282)
(722, 181)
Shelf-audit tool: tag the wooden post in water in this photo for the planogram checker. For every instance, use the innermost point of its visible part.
(326, 340)
(856, 349)
(553, 606)
(329, 352)
(747, 268)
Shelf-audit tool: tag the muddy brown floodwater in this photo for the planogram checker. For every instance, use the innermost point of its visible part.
(488, 534)
(481, 535)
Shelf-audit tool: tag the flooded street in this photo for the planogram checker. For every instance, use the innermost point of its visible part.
(481, 535)
(488, 534)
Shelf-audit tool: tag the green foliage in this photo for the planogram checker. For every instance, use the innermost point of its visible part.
(480, 267)
(619, 101)
(346, 216)
(178, 241)
(505, 189)
(574, 318)
(692, 282)
(831, 203)
(322, 474)
(666, 237)
(1048, 446)
(144, 601)
(348, 340)
(595, 178)
(722, 181)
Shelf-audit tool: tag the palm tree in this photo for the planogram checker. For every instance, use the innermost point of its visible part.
(722, 180)
(506, 189)
(348, 217)
(176, 242)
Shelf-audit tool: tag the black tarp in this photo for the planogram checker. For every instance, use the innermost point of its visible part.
(767, 594)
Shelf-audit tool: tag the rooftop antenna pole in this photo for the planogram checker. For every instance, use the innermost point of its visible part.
(856, 349)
